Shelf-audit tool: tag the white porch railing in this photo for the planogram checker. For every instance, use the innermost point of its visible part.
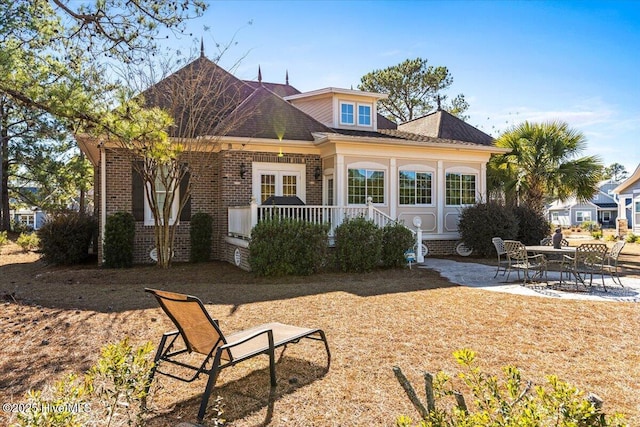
(242, 219)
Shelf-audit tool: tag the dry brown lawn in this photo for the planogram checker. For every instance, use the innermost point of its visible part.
(53, 320)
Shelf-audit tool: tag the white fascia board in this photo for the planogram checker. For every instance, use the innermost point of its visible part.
(335, 90)
(337, 137)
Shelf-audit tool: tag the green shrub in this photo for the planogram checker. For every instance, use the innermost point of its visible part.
(590, 226)
(112, 392)
(281, 247)
(3, 238)
(200, 233)
(532, 225)
(483, 221)
(507, 402)
(119, 235)
(396, 240)
(596, 234)
(631, 238)
(65, 238)
(358, 245)
(28, 241)
(611, 238)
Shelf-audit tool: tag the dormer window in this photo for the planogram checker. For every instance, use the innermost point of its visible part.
(364, 115)
(347, 113)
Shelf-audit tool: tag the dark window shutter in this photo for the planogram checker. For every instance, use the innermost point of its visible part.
(137, 194)
(185, 215)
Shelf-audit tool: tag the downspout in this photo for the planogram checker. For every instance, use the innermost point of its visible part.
(103, 197)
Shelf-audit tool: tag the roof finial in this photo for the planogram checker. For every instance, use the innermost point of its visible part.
(259, 75)
(287, 78)
(201, 47)
(438, 99)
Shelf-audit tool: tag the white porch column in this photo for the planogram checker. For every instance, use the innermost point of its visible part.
(483, 183)
(254, 212)
(340, 177)
(440, 200)
(393, 188)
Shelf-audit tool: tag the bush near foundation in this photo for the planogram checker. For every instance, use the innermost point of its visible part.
(396, 240)
(482, 222)
(65, 238)
(532, 225)
(358, 245)
(119, 235)
(282, 247)
(200, 233)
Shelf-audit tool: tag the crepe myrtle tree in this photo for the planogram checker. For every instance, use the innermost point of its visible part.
(169, 132)
(144, 133)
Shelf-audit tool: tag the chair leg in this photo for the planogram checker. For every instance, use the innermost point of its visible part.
(272, 359)
(326, 346)
(211, 382)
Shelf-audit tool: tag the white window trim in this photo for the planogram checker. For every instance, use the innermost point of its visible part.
(421, 169)
(582, 214)
(355, 113)
(368, 166)
(364, 104)
(278, 169)
(461, 170)
(148, 214)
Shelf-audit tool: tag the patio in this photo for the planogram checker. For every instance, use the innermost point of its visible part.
(480, 276)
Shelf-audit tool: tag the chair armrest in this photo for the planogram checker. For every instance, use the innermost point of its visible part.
(256, 334)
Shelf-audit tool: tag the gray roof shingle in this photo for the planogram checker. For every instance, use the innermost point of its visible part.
(442, 124)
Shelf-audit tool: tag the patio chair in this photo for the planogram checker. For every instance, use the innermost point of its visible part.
(547, 241)
(519, 260)
(610, 265)
(201, 334)
(554, 260)
(588, 260)
(503, 261)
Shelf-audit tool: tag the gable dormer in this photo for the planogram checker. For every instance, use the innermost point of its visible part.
(340, 108)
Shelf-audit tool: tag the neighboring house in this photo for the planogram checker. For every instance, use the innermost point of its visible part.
(629, 202)
(607, 204)
(571, 213)
(31, 218)
(602, 208)
(329, 148)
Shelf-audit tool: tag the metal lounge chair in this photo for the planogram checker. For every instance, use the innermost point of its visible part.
(202, 334)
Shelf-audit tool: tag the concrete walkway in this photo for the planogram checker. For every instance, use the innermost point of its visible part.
(481, 276)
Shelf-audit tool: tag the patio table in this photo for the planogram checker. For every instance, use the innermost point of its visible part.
(550, 250)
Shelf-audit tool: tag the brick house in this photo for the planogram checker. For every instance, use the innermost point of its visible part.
(329, 148)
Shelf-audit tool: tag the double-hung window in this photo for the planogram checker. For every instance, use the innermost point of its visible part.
(162, 194)
(415, 188)
(352, 114)
(347, 113)
(364, 183)
(460, 189)
(582, 216)
(364, 115)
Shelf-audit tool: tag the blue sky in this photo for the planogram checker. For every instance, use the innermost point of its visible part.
(576, 61)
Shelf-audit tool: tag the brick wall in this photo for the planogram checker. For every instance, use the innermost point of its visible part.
(216, 185)
(441, 247)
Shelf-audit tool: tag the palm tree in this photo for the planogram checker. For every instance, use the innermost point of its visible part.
(543, 165)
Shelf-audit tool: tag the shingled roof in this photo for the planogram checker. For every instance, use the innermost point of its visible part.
(199, 97)
(442, 124)
(266, 115)
(279, 89)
